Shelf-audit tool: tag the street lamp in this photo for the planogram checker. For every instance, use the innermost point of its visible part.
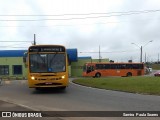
(141, 48)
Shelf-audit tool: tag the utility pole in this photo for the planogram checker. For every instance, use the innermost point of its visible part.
(99, 54)
(141, 49)
(158, 58)
(34, 43)
(145, 57)
(141, 55)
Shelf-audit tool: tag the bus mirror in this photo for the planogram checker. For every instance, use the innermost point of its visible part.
(69, 62)
(24, 59)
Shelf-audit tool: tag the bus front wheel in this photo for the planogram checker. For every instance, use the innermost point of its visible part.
(98, 75)
(63, 88)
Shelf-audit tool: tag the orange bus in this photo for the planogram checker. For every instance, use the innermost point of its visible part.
(47, 66)
(113, 69)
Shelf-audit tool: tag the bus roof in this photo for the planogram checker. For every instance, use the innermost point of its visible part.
(45, 45)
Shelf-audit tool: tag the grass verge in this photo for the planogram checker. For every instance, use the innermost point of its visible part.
(142, 85)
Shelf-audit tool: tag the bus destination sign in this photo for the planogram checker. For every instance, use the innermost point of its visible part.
(47, 49)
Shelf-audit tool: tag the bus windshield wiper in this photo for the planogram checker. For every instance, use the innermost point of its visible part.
(43, 60)
(53, 58)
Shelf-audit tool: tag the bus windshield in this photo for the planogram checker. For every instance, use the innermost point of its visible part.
(43, 63)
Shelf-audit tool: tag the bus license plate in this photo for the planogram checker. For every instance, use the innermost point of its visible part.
(48, 83)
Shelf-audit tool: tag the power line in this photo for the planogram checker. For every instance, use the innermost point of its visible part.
(16, 41)
(12, 45)
(87, 17)
(144, 11)
(111, 51)
(68, 24)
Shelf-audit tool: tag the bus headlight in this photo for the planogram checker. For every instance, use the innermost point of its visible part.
(33, 78)
(63, 76)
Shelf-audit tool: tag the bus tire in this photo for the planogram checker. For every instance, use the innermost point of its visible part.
(129, 74)
(63, 88)
(38, 88)
(98, 75)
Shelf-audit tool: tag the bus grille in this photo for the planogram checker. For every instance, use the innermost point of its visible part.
(44, 84)
(49, 78)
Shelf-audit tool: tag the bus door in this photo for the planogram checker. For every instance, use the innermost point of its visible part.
(90, 69)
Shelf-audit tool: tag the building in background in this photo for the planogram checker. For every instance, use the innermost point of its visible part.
(12, 66)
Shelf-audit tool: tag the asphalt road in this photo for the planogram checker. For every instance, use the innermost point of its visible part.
(76, 98)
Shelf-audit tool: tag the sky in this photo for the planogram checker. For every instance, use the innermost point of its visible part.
(116, 28)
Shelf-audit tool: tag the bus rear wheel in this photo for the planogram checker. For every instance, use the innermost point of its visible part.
(129, 74)
(98, 75)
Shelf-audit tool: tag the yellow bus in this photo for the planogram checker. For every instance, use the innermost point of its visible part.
(47, 66)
